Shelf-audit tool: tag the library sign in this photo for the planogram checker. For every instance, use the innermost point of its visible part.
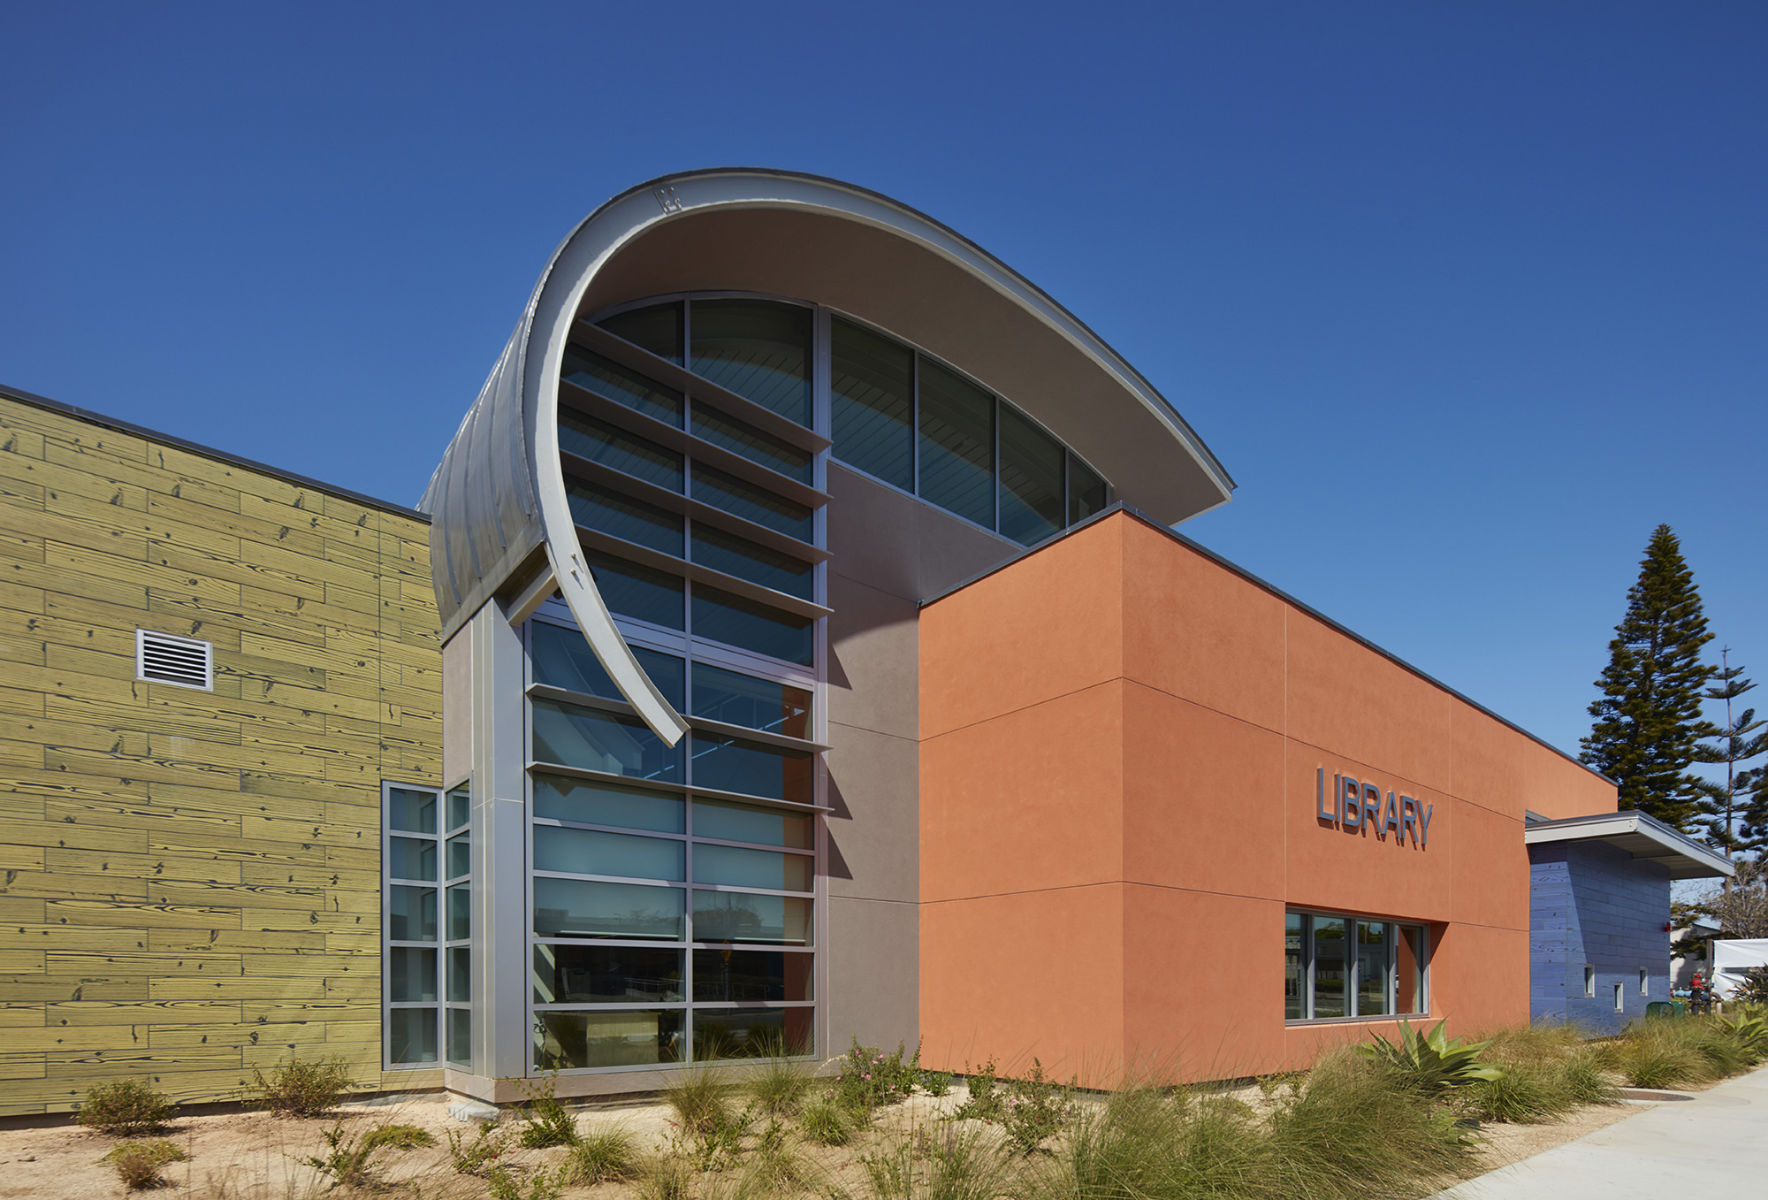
(1356, 806)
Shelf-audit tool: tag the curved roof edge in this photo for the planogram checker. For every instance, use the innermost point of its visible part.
(499, 492)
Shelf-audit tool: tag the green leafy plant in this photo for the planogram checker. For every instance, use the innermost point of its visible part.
(1753, 987)
(303, 1088)
(869, 1078)
(479, 1155)
(138, 1163)
(1750, 1031)
(504, 1182)
(826, 1123)
(1029, 1111)
(1431, 1062)
(346, 1162)
(934, 1083)
(545, 1121)
(125, 1108)
(602, 1156)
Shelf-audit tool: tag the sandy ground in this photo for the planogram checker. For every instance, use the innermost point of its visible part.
(253, 1156)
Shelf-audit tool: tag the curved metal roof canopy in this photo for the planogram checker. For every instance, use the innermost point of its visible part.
(499, 496)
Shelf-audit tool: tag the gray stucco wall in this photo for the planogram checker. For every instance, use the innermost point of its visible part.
(1593, 905)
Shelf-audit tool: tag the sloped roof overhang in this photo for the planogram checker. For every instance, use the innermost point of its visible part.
(1641, 836)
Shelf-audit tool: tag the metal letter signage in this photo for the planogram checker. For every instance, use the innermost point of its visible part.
(1356, 807)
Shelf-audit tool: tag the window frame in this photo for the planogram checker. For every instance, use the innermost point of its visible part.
(1393, 935)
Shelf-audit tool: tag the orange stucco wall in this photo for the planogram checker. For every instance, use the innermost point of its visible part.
(1119, 745)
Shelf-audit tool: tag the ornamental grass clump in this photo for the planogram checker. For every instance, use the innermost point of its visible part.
(602, 1157)
(1662, 1054)
(779, 1082)
(347, 1160)
(1547, 1070)
(949, 1163)
(138, 1163)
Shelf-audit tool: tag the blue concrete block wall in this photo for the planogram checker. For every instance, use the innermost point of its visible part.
(1591, 904)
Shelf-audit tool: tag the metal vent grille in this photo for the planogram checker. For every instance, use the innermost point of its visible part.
(165, 658)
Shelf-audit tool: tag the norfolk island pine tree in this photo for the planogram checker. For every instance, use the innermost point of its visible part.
(1734, 744)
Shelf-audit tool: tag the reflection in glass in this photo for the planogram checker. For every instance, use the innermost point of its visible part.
(584, 852)
(751, 1032)
(751, 503)
(460, 973)
(957, 445)
(1294, 967)
(410, 810)
(1372, 989)
(732, 765)
(741, 557)
(749, 976)
(460, 1036)
(759, 349)
(411, 914)
(740, 437)
(562, 799)
(872, 384)
(629, 520)
(641, 593)
(460, 806)
(563, 659)
(606, 974)
(411, 973)
(585, 909)
(656, 328)
(1031, 480)
(601, 443)
(460, 912)
(742, 823)
(722, 617)
(736, 699)
(743, 917)
(600, 741)
(411, 1035)
(411, 858)
(1331, 976)
(733, 867)
(627, 1038)
(603, 376)
(460, 856)
(1086, 491)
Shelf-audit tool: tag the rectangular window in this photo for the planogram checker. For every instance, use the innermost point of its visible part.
(1589, 981)
(458, 925)
(412, 839)
(601, 443)
(753, 769)
(872, 386)
(629, 520)
(604, 377)
(656, 328)
(742, 438)
(592, 740)
(734, 699)
(641, 593)
(759, 349)
(722, 617)
(751, 503)
(563, 659)
(1030, 480)
(741, 557)
(1342, 967)
(1620, 1005)
(1644, 982)
(1086, 491)
(957, 445)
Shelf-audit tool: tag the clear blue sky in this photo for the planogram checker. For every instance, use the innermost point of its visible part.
(1467, 297)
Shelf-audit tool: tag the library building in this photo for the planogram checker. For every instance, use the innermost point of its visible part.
(793, 645)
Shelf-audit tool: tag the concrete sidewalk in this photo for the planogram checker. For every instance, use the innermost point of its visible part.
(1713, 1145)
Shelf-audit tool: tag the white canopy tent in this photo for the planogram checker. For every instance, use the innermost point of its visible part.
(1731, 958)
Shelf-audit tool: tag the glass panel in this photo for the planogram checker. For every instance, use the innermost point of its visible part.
(411, 914)
(1372, 990)
(730, 765)
(585, 853)
(751, 1032)
(759, 349)
(1330, 975)
(460, 912)
(1031, 480)
(460, 806)
(752, 868)
(600, 804)
(563, 659)
(411, 973)
(589, 438)
(753, 503)
(957, 445)
(722, 617)
(460, 856)
(1086, 491)
(460, 1036)
(1293, 967)
(599, 741)
(587, 369)
(411, 858)
(580, 908)
(630, 590)
(741, 557)
(752, 975)
(735, 699)
(656, 328)
(460, 973)
(563, 1040)
(740, 437)
(411, 1033)
(630, 521)
(604, 974)
(1410, 969)
(741, 823)
(410, 810)
(741, 917)
(872, 386)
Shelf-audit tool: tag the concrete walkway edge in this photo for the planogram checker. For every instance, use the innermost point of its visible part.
(1713, 1145)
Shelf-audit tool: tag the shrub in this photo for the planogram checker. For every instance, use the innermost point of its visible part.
(138, 1163)
(125, 1108)
(1430, 1062)
(504, 1182)
(480, 1154)
(870, 1078)
(826, 1123)
(955, 1164)
(1753, 987)
(299, 1088)
(545, 1120)
(934, 1083)
(346, 1161)
(1029, 1110)
(602, 1156)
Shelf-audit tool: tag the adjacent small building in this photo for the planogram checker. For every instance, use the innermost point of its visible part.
(792, 647)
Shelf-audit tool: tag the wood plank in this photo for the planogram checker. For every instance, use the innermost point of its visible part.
(57, 936)
(39, 989)
(55, 577)
(106, 1014)
(149, 915)
(149, 866)
(245, 988)
(63, 885)
(282, 1036)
